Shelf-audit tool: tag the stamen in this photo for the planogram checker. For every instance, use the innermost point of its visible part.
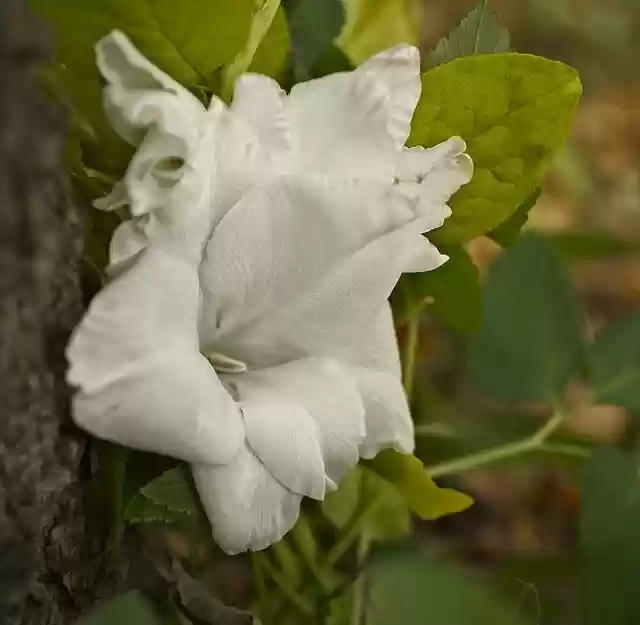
(225, 364)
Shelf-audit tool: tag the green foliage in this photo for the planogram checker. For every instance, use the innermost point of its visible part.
(375, 25)
(615, 364)
(411, 589)
(576, 246)
(609, 546)
(531, 342)
(453, 290)
(480, 32)
(507, 232)
(167, 498)
(313, 26)
(380, 507)
(132, 609)
(420, 492)
(514, 111)
(190, 43)
(272, 55)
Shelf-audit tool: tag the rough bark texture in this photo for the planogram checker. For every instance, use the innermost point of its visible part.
(50, 563)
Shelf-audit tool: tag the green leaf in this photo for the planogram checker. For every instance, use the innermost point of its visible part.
(420, 492)
(313, 26)
(453, 290)
(531, 342)
(610, 540)
(383, 508)
(375, 25)
(272, 56)
(410, 589)
(132, 609)
(480, 32)
(190, 43)
(167, 498)
(514, 111)
(507, 232)
(615, 364)
(576, 246)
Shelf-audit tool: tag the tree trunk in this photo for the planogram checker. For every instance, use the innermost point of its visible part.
(52, 565)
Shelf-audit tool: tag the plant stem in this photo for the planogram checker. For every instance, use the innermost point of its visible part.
(502, 452)
(410, 353)
(358, 605)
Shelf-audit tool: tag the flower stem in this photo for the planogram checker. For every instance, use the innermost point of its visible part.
(507, 450)
(359, 605)
(410, 353)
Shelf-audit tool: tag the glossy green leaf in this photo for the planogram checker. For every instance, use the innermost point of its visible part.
(410, 589)
(480, 32)
(313, 26)
(531, 341)
(420, 492)
(190, 42)
(615, 364)
(132, 609)
(610, 540)
(507, 232)
(375, 25)
(514, 111)
(453, 290)
(272, 56)
(167, 498)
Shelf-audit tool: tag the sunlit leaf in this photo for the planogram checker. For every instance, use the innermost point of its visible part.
(507, 232)
(421, 493)
(514, 111)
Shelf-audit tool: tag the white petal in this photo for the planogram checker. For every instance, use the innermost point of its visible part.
(388, 419)
(141, 380)
(327, 394)
(354, 123)
(260, 101)
(280, 244)
(315, 311)
(281, 431)
(139, 94)
(248, 509)
(434, 175)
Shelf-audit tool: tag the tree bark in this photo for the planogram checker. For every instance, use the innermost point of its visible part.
(52, 565)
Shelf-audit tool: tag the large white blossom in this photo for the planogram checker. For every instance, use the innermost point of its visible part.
(246, 329)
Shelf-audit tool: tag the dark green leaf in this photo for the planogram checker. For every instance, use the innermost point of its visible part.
(610, 540)
(530, 343)
(480, 32)
(592, 246)
(515, 115)
(453, 289)
(507, 232)
(420, 492)
(615, 364)
(167, 498)
(313, 26)
(410, 589)
(130, 609)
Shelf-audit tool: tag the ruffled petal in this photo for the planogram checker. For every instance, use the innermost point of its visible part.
(140, 378)
(433, 175)
(331, 402)
(247, 507)
(355, 123)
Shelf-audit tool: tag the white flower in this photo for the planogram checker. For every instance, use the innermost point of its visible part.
(249, 333)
